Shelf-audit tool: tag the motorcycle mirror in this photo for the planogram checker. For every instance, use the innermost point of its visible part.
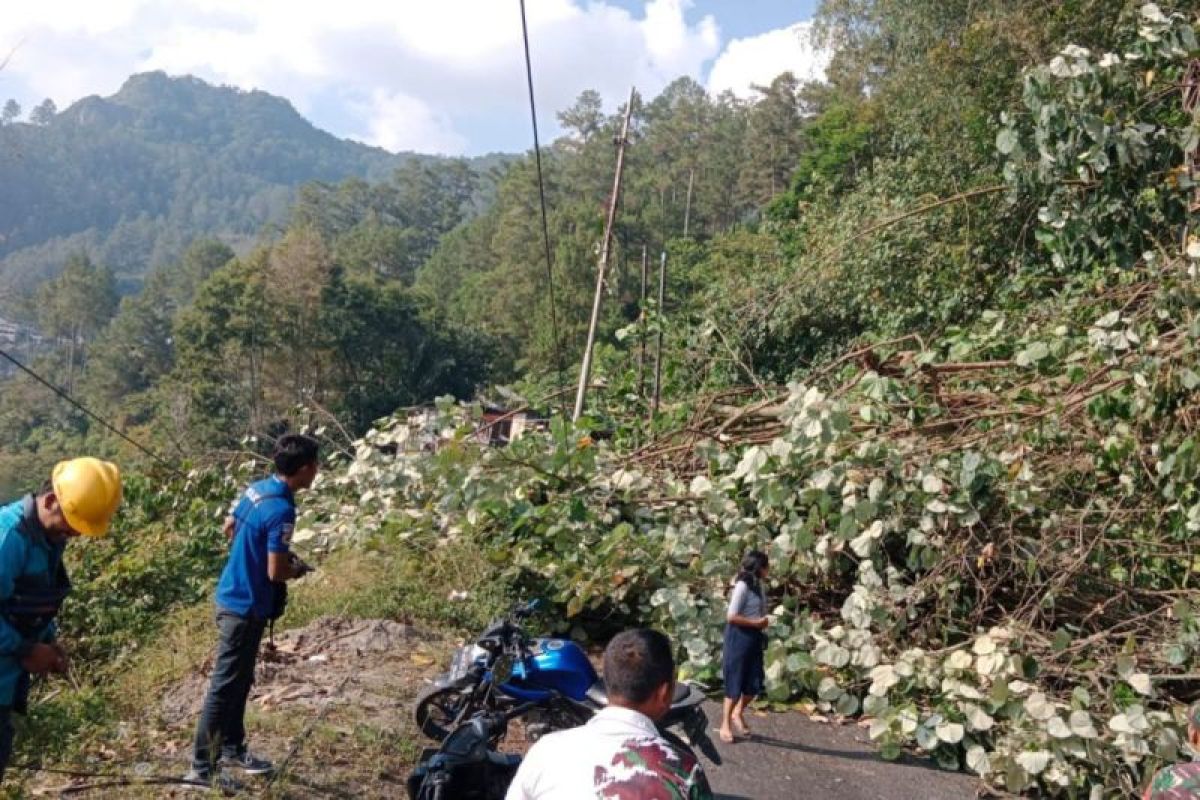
(502, 670)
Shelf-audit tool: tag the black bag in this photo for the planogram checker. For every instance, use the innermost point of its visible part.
(20, 703)
(279, 598)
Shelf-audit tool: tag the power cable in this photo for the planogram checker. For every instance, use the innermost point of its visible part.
(63, 394)
(537, 154)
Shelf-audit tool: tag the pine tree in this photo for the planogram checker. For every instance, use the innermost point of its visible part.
(43, 113)
(12, 110)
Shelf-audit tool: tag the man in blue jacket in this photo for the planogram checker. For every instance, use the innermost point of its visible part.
(79, 499)
(259, 555)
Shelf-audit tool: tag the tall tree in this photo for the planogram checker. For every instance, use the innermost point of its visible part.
(773, 140)
(12, 110)
(585, 118)
(43, 113)
(137, 349)
(73, 307)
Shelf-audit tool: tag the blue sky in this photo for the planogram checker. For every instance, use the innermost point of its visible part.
(444, 77)
(742, 18)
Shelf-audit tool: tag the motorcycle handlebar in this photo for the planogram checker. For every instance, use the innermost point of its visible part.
(498, 720)
(523, 610)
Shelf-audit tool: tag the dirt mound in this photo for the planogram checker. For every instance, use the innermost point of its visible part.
(338, 636)
(370, 660)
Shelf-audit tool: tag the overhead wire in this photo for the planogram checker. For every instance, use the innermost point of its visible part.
(62, 393)
(537, 154)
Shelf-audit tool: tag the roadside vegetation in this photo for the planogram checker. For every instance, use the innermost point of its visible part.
(930, 340)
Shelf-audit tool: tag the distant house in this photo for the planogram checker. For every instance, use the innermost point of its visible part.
(496, 427)
(500, 426)
(16, 333)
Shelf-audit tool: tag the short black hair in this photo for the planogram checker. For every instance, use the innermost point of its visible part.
(636, 663)
(293, 452)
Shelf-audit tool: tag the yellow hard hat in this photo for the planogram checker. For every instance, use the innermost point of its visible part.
(88, 491)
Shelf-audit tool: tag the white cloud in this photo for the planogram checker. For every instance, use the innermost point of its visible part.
(757, 60)
(400, 122)
(401, 74)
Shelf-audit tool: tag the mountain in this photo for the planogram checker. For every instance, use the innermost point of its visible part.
(134, 177)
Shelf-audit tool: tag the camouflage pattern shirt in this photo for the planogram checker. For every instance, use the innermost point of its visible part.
(617, 755)
(1180, 782)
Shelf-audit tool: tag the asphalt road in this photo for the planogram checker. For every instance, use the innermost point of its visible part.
(793, 758)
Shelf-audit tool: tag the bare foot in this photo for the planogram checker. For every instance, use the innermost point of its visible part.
(727, 736)
(739, 724)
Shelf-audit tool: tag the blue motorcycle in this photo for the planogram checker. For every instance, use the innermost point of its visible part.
(553, 678)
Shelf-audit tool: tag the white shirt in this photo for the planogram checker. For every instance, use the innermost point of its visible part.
(618, 753)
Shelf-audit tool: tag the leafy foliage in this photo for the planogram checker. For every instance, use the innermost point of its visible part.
(978, 518)
(134, 178)
(1107, 126)
(947, 380)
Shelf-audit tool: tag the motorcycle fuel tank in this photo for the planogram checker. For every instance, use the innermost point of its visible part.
(557, 664)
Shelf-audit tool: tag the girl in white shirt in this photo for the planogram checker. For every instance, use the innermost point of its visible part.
(742, 656)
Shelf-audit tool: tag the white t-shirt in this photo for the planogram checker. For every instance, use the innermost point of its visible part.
(746, 602)
(617, 754)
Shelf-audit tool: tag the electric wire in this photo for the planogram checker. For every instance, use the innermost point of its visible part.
(537, 154)
(68, 398)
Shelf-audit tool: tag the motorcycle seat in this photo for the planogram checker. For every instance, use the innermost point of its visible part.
(503, 759)
(598, 693)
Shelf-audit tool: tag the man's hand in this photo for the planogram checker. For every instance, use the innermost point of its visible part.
(45, 658)
(64, 660)
(228, 527)
(763, 623)
(286, 566)
(297, 566)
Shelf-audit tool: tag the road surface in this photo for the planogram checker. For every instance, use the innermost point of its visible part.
(791, 757)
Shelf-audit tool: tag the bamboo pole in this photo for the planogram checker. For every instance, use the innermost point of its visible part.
(641, 384)
(585, 369)
(687, 209)
(662, 290)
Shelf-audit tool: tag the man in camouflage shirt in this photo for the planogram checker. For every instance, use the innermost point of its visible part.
(1182, 781)
(619, 754)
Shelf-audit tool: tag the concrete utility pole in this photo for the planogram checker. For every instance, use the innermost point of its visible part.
(585, 370)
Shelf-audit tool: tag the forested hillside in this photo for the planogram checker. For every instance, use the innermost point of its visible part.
(930, 336)
(133, 178)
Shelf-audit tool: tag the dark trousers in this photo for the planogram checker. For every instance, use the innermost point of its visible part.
(222, 722)
(6, 738)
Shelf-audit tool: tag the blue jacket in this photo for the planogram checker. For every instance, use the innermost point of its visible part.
(265, 517)
(25, 552)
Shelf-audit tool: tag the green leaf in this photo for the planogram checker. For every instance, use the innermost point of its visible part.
(1032, 354)
(1094, 127)
(1007, 141)
(846, 705)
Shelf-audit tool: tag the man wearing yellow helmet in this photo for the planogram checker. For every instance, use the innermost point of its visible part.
(79, 499)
